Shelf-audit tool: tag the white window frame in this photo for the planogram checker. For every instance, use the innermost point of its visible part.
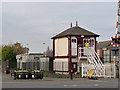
(89, 42)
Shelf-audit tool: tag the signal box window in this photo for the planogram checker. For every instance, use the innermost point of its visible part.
(73, 40)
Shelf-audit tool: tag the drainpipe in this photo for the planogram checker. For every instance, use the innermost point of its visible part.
(70, 63)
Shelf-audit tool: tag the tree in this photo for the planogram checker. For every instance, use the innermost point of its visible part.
(48, 52)
(19, 49)
(8, 53)
(1, 54)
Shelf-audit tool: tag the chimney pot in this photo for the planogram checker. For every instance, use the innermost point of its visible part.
(76, 23)
(71, 24)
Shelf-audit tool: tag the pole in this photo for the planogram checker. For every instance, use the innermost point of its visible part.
(114, 67)
(119, 62)
(119, 69)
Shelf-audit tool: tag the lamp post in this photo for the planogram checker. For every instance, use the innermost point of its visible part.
(119, 61)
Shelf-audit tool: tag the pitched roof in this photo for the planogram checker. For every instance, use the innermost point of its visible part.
(103, 44)
(75, 31)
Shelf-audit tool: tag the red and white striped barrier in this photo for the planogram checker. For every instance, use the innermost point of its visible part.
(112, 44)
(117, 32)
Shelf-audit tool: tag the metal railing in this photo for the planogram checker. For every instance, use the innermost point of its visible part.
(110, 70)
(93, 60)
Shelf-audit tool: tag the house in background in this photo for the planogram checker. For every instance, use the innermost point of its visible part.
(69, 48)
(34, 61)
(106, 51)
(109, 56)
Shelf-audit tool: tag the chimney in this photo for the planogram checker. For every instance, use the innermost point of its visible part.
(71, 24)
(76, 23)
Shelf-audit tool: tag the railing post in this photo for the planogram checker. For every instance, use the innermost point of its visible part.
(104, 71)
(110, 71)
(114, 71)
(82, 70)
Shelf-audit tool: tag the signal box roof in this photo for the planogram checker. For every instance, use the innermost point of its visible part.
(76, 31)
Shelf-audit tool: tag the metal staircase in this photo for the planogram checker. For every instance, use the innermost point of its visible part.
(95, 62)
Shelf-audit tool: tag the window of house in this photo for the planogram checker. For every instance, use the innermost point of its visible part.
(106, 55)
(20, 58)
(98, 52)
(112, 58)
(92, 43)
(73, 40)
(80, 42)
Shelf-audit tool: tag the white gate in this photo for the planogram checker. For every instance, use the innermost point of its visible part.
(110, 70)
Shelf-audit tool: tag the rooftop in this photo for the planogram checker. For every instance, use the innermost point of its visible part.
(103, 44)
(75, 31)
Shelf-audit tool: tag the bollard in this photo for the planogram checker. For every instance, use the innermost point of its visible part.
(14, 74)
(71, 75)
(34, 75)
(11, 74)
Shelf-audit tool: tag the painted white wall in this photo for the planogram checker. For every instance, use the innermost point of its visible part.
(74, 59)
(61, 64)
(61, 46)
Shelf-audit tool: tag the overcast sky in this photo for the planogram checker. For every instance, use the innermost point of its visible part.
(34, 23)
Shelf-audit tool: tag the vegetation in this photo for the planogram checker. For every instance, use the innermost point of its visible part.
(9, 52)
(48, 52)
(56, 75)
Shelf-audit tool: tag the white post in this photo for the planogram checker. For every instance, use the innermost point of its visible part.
(114, 67)
(82, 70)
(104, 71)
(114, 71)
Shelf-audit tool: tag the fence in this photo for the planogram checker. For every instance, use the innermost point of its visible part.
(110, 70)
(34, 65)
(44, 63)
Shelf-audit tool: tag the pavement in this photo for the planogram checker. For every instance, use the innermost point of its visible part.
(9, 82)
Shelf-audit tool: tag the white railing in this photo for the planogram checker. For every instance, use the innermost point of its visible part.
(99, 63)
(109, 68)
(93, 60)
(82, 52)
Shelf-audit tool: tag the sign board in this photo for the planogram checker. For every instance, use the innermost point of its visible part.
(87, 44)
(115, 42)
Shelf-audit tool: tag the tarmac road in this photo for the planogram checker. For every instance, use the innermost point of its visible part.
(61, 84)
(8, 82)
